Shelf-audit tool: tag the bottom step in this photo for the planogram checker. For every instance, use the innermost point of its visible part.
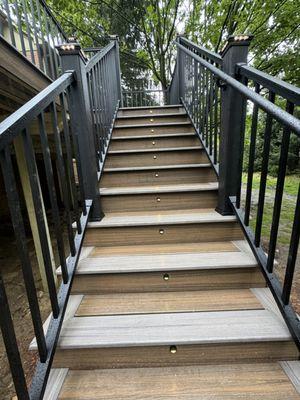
(211, 382)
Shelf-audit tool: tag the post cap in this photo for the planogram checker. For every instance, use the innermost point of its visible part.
(72, 47)
(68, 48)
(236, 40)
(114, 37)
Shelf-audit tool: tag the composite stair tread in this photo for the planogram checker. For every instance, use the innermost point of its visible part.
(157, 136)
(207, 301)
(160, 302)
(173, 329)
(172, 217)
(156, 167)
(259, 381)
(160, 248)
(174, 188)
(176, 261)
(154, 124)
(152, 115)
(150, 150)
(167, 106)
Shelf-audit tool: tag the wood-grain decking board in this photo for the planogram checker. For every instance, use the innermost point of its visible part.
(230, 278)
(212, 382)
(165, 262)
(186, 187)
(163, 249)
(160, 302)
(173, 329)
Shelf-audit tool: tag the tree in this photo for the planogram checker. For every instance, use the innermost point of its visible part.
(275, 25)
(159, 25)
(146, 29)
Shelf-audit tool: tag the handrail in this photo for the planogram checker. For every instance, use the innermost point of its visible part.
(216, 101)
(202, 50)
(50, 13)
(98, 56)
(279, 114)
(103, 77)
(50, 112)
(20, 119)
(284, 89)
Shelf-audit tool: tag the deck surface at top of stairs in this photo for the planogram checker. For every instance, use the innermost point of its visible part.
(168, 301)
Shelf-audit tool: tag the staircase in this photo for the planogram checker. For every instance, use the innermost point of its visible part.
(168, 301)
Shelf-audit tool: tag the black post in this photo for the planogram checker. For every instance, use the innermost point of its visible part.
(81, 120)
(233, 114)
(118, 67)
(180, 70)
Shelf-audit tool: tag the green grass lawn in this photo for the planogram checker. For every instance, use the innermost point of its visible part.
(287, 209)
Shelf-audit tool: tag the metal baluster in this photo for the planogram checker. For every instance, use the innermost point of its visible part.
(10, 24)
(47, 69)
(279, 190)
(70, 161)
(20, 30)
(104, 104)
(52, 73)
(11, 345)
(293, 252)
(40, 217)
(62, 175)
(264, 174)
(28, 31)
(78, 160)
(52, 195)
(200, 100)
(41, 66)
(55, 56)
(241, 152)
(18, 225)
(94, 107)
(211, 108)
(251, 160)
(206, 106)
(101, 100)
(216, 125)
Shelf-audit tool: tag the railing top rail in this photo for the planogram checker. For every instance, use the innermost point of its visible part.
(284, 117)
(51, 15)
(284, 89)
(17, 121)
(207, 53)
(97, 57)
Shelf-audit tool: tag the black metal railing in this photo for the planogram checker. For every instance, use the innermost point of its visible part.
(198, 89)
(145, 97)
(283, 100)
(104, 87)
(30, 26)
(48, 114)
(69, 123)
(224, 98)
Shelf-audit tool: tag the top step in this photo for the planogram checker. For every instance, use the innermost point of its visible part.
(132, 111)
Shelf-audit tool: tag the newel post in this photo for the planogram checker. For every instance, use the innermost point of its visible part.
(233, 115)
(115, 38)
(72, 59)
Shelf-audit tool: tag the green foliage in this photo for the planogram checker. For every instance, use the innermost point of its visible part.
(293, 162)
(275, 25)
(147, 30)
